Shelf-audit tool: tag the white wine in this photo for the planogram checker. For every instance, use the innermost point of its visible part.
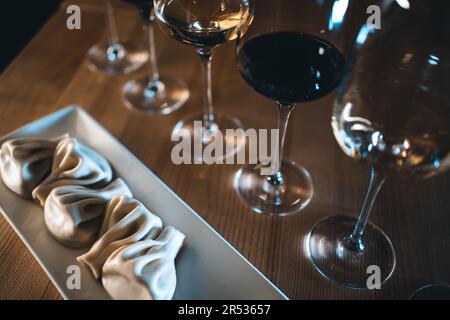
(204, 23)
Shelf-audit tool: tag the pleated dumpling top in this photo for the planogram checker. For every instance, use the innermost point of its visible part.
(144, 270)
(25, 162)
(74, 164)
(126, 221)
(74, 214)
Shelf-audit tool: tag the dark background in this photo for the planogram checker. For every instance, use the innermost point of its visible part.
(19, 22)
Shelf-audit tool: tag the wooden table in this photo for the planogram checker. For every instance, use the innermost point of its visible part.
(51, 72)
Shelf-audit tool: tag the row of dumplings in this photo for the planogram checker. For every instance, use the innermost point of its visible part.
(132, 254)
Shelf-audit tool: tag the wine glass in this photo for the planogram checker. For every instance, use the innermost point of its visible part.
(291, 54)
(153, 94)
(392, 113)
(114, 58)
(206, 24)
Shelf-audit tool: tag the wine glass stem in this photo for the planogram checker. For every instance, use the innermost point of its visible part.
(111, 28)
(152, 62)
(284, 112)
(208, 107)
(375, 184)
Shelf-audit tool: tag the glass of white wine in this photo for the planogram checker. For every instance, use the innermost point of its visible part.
(392, 113)
(205, 24)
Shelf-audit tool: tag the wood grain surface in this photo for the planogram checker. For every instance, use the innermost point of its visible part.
(51, 73)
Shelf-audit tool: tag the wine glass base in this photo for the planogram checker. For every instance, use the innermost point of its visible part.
(232, 144)
(162, 97)
(432, 292)
(131, 59)
(262, 197)
(332, 257)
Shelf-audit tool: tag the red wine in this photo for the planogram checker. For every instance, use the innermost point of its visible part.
(144, 6)
(290, 67)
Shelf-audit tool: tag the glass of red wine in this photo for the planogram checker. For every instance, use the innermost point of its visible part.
(392, 113)
(115, 57)
(288, 55)
(155, 93)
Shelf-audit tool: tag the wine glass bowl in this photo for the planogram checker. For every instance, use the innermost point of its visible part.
(308, 69)
(392, 113)
(204, 23)
(405, 130)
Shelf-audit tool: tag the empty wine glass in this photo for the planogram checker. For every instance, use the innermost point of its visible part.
(292, 54)
(205, 24)
(393, 114)
(113, 57)
(155, 93)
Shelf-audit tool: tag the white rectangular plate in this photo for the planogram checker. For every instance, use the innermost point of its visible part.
(208, 267)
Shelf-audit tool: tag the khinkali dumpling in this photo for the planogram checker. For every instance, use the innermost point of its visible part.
(25, 162)
(144, 270)
(74, 164)
(126, 221)
(74, 214)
